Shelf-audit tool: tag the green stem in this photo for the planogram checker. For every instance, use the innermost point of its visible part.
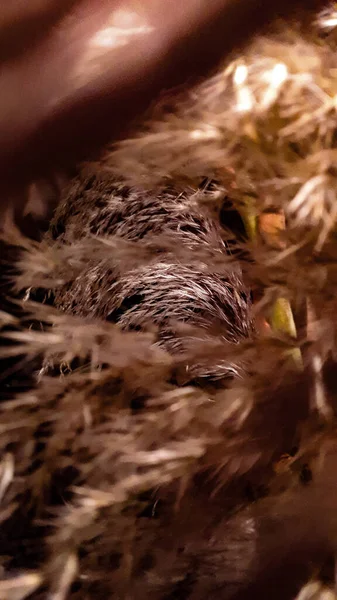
(282, 319)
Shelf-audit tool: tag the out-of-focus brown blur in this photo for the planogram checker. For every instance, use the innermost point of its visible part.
(75, 73)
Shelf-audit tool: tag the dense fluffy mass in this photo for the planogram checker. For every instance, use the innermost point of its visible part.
(178, 440)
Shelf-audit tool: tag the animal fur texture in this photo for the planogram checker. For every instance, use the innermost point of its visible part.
(164, 292)
(179, 440)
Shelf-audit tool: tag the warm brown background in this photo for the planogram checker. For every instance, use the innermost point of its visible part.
(50, 118)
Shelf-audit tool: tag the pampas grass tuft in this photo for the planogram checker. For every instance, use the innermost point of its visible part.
(179, 437)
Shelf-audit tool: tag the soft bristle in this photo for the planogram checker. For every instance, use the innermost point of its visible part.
(180, 439)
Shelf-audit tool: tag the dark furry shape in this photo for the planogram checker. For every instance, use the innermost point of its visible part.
(166, 292)
(97, 204)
